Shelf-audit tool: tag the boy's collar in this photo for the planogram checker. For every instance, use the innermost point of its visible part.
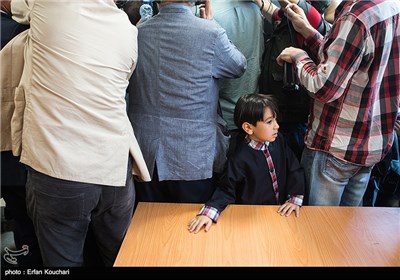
(255, 144)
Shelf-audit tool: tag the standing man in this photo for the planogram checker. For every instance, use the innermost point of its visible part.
(76, 137)
(13, 173)
(294, 104)
(173, 100)
(355, 88)
(244, 26)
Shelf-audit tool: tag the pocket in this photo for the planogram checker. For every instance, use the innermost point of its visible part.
(339, 170)
(7, 110)
(59, 206)
(17, 121)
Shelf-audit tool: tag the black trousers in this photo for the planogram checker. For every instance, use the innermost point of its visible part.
(196, 191)
(13, 179)
(63, 211)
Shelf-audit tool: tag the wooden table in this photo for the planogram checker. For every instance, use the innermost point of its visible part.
(249, 235)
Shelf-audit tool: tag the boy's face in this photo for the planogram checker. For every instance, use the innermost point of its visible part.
(266, 130)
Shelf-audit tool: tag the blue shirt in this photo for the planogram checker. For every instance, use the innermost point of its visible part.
(243, 23)
(173, 93)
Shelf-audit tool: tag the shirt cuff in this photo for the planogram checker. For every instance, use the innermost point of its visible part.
(299, 56)
(210, 212)
(295, 199)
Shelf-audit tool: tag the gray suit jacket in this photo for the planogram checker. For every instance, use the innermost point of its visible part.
(173, 93)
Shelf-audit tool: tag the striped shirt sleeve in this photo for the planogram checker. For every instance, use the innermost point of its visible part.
(295, 199)
(210, 212)
(340, 57)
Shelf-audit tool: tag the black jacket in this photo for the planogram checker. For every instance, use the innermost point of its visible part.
(247, 179)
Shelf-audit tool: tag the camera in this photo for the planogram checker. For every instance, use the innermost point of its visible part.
(290, 83)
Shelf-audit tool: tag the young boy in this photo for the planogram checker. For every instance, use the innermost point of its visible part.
(262, 170)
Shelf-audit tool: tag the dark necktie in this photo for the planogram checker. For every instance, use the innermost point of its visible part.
(272, 172)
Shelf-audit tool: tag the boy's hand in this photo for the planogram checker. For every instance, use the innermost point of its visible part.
(198, 222)
(287, 209)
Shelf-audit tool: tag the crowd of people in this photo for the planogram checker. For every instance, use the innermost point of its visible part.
(101, 110)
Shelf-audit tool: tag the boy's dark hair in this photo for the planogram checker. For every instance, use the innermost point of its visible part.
(251, 107)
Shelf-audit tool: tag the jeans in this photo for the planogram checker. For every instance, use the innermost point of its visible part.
(333, 182)
(62, 212)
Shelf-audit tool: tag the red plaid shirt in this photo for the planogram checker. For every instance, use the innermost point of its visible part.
(355, 85)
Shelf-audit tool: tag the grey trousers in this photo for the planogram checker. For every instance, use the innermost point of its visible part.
(62, 211)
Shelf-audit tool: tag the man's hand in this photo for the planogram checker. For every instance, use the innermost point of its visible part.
(284, 3)
(397, 127)
(206, 10)
(259, 2)
(198, 222)
(299, 20)
(286, 55)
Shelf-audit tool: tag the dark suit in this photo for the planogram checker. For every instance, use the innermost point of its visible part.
(9, 28)
(247, 180)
